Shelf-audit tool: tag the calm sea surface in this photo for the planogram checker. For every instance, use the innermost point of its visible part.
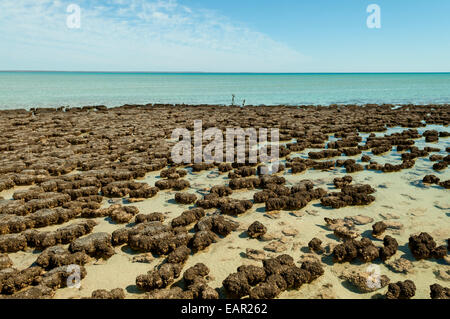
(53, 89)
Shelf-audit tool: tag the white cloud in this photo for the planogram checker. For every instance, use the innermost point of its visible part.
(135, 35)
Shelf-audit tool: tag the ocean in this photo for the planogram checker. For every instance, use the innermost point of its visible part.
(54, 89)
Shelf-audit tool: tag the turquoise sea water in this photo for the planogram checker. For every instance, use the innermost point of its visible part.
(53, 89)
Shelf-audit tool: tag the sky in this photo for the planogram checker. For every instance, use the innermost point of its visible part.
(295, 36)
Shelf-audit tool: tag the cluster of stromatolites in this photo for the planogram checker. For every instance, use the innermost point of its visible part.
(70, 161)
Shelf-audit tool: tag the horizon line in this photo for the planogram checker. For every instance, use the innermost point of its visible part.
(207, 72)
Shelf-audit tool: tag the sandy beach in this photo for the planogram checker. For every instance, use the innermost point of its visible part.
(61, 169)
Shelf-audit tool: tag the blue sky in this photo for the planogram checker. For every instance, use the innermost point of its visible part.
(226, 36)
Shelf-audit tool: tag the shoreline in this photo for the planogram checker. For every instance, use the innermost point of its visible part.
(176, 105)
